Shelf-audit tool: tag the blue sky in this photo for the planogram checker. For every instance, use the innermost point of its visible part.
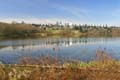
(75, 11)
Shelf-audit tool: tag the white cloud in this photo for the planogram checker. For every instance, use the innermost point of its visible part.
(43, 21)
(38, 20)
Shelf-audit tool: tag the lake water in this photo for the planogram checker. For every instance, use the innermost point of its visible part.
(74, 48)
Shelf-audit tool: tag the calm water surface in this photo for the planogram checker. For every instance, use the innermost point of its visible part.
(75, 48)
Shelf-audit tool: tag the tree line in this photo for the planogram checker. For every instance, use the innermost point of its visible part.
(14, 30)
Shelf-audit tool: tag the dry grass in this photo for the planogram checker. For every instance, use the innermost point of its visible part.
(103, 68)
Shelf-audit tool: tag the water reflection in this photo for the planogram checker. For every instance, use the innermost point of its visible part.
(75, 48)
(54, 41)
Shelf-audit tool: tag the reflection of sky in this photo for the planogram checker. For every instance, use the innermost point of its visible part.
(77, 48)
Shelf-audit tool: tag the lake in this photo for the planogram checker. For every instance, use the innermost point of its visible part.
(73, 48)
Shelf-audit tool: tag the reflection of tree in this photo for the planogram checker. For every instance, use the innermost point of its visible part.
(14, 47)
(23, 46)
(55, 42)
(3, 47)
(70, 41)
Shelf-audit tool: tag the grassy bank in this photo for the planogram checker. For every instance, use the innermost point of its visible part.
(16, 30)
(108, 70)
(49, 68)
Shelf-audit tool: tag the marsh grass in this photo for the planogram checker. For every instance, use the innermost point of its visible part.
(104, 67)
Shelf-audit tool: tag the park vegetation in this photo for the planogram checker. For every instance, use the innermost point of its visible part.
(18, 30)
(50, 68)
